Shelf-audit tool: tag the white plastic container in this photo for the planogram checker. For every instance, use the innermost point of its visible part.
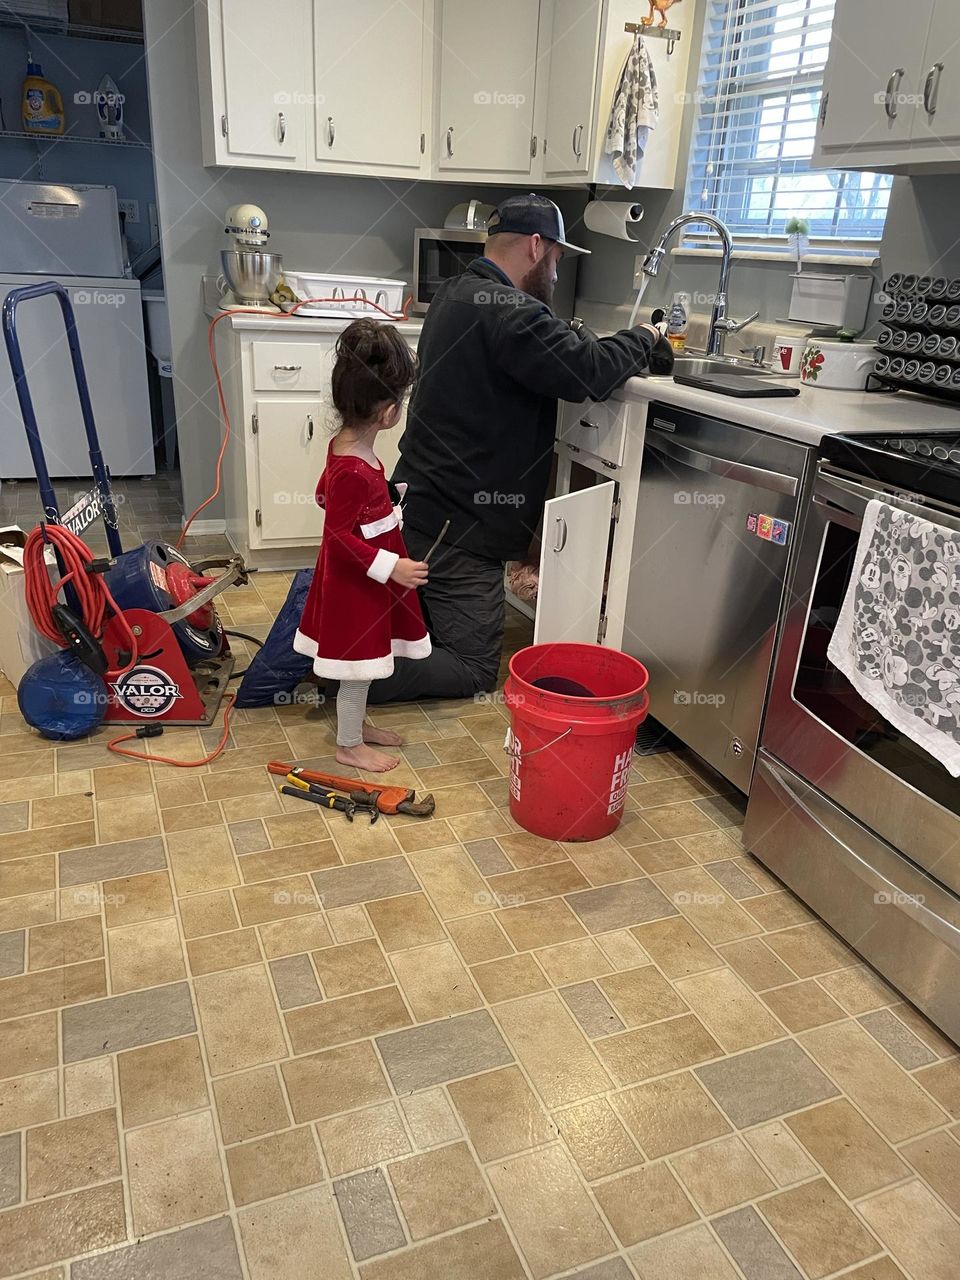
(837, 366)
(347, 293)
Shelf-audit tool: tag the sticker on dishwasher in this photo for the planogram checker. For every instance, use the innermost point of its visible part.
(769, 528)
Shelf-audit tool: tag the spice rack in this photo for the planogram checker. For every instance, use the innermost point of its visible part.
(919, 340)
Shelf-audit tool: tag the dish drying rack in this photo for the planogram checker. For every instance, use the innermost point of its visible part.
(658, 33)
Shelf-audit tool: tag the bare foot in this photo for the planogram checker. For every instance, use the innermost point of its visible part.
(381, 737)
(365, 758)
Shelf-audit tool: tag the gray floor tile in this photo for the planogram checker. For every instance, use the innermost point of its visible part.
(368, 1214)
(11, 953)
(9, 1170)
(295, 981)
(123, 1022)
(763, 1083)
(897, 1039)
(364, 881)
(618, 906)
(591, 1009)
(445, 1050)
(753, 1248)
(489, 857)
(108, 861)
(206, 1252)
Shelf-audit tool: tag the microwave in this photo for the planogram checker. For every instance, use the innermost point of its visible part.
(440, 253)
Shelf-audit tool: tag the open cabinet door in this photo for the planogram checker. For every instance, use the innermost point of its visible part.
(573, 565)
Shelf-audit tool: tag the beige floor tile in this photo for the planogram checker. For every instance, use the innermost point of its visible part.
(305, 824)
(509, 977)
(552, 1217)
(669, 791)
(324, 1084)
(597, 1139)
(190, 817)
(657, 1048)
(127, 818)
(479, 826)
(479, 938)
(848, 1149)
(414, 834)
(80, 1222)
(778, 910)
(936, 1158)
(930, 1253)
(884, 1092)
(659, 855)
(440, 1190)
(275, 1165)
(161, 1080)
(689, 1255)
(70, 1154)
(802, 1005)
(362, 1138)
(369, 1013)
(285, 1237)
(780, 1154)
(54, 810)
(207, 913)
(553, 1049)
(622, 949)
(676, 947)
(526, 850)
(943, 1081)
(821, 1232)
(453, 1257)
(31, 908)
(430, 1118)
(145, 955)
(250, 1104)
(500, 1113)
(33, 875)
(29, 1044)
(88, 1086)
(352, 967)
(642, 995)
(66, 942)
(647, 1202)
(575, 961)
(452, 881)
(756, 964)
(174, 1172)
(514, 888)
(239, 1019)
(218, 951)
(721, 1175)
(698, 897)
(200, 865)
(810, 949)
(730, 1011)
(276, 900)
(131, 899)
(602, 861)
(669, 1114)
(540, 924)
(405, 921)
(52, 989)
(297, 934)
(291, 860)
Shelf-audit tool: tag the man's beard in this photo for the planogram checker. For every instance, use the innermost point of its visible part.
(539, 282)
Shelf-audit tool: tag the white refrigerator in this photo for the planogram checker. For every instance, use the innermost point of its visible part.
(71, 234)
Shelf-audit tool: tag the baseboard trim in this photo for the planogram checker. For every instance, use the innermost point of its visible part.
(205, 528)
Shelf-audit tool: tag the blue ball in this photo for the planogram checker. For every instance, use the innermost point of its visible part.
(61, 697)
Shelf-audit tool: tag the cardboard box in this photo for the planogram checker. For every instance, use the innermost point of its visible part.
(20, 643)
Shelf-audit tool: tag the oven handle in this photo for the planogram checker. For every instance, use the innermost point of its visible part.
(758, 476)
(834, 493)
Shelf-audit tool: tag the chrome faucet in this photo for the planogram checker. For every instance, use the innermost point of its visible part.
(720, 323)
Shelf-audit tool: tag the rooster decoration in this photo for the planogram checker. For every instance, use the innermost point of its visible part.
(661, 7)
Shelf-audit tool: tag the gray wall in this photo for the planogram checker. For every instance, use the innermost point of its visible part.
(320, 222)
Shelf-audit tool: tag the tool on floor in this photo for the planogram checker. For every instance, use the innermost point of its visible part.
(360, 800)
(141, 622)
(326, 799)
(389, 800)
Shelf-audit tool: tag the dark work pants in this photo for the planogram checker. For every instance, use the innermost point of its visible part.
(463, 605)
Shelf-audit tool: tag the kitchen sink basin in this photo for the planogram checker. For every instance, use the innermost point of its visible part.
(698, 366)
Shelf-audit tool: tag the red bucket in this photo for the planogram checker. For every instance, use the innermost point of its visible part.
(570, 755)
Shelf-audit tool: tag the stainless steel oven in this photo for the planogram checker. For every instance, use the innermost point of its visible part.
(853, 815)
(439, 254)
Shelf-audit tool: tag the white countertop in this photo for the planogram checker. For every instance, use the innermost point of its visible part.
(807, 418)
(273, 322)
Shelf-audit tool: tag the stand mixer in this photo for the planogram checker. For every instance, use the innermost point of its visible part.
(249, 273)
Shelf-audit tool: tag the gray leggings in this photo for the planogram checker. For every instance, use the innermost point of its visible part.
(351, 708)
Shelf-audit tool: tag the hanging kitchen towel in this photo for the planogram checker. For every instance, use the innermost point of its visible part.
(636, 107)
(897, 639)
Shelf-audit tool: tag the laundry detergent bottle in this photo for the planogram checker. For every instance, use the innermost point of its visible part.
(41, 107)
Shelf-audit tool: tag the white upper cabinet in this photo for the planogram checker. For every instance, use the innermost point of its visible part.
(891, 96)
(255, 90)
(368, 79)
(487, 63)
(572, 85)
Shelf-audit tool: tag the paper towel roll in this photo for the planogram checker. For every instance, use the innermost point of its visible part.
(612, 217)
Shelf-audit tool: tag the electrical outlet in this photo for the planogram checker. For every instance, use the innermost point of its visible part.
(131, 208)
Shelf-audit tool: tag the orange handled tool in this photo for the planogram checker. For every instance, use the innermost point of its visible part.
(388, 799)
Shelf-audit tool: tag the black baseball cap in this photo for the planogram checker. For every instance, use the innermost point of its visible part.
(531, 215)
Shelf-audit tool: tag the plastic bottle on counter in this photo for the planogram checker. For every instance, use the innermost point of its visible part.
(678, 317)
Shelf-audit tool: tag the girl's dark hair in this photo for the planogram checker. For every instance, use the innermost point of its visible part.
(374, 367)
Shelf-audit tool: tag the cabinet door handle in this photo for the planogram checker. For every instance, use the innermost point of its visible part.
(288, 368)
(533, 147)
(309, 426)
(282, 127)
(560, 534)
(331, 131)
(931, 88)
(823, 108)
(450, 141)
(890, 105)
(423, 143)
(577, 139)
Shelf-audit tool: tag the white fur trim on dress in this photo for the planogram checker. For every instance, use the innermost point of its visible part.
(384, 563)
(361, 668)
(376, 527)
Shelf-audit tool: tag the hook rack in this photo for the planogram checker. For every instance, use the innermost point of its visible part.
(659, 33)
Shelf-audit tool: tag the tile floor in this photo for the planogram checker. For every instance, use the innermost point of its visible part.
(242, 1038)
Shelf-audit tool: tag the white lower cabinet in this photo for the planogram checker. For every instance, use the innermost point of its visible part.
(290, 453)
(573, 553)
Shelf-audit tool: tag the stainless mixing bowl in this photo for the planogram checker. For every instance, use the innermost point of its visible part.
(250, 274)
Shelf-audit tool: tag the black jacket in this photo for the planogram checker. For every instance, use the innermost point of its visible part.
(482, 420)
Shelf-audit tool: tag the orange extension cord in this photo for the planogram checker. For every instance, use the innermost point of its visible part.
(211, 348)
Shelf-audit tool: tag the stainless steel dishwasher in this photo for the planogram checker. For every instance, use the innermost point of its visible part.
(716, 525)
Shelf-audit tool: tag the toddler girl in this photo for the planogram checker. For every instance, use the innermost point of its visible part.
(362, 610)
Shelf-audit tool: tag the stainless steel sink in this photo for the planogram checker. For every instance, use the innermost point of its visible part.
(699, 365)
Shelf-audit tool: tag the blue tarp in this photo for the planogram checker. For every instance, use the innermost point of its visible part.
(277, 669)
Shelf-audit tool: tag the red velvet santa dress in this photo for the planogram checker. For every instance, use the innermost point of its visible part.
(356, 621)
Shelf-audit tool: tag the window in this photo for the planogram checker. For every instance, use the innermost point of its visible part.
(758, 97)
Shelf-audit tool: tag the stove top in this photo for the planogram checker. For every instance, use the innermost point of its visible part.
(927, 465)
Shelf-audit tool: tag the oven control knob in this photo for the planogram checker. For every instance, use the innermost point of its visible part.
(736, 746)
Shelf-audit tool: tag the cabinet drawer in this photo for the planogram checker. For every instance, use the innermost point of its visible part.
(597, 429)
(291, 366)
